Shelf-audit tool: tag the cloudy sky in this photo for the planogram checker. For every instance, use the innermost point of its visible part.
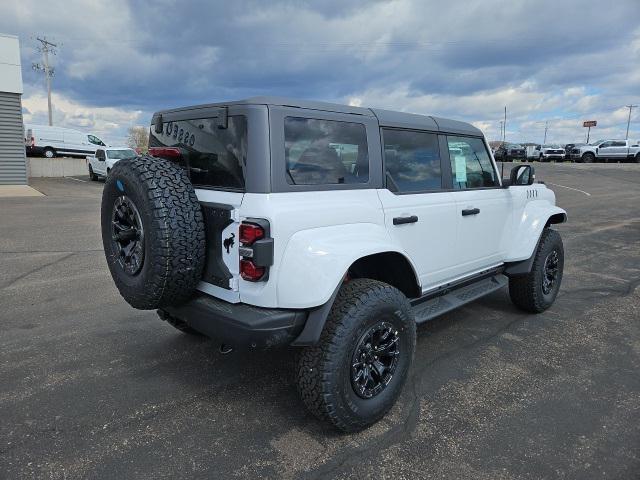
(558, 61)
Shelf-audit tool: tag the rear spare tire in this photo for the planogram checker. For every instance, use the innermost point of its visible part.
(152, 232)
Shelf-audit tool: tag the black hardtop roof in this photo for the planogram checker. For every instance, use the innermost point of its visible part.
(386, 118)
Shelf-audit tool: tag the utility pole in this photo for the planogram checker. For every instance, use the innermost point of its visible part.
(546, 127)
(504, 137)
(630, 107)
(45, 48)
(501, 130)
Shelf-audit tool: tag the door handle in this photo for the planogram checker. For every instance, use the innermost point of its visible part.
(470, 211)
(403, 220)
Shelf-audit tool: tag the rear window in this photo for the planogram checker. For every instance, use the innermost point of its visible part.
(325, 152)
(213, 157)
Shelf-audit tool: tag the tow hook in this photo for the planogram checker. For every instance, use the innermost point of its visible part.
(225, 349)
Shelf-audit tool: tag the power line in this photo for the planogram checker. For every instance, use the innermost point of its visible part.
(46, 47)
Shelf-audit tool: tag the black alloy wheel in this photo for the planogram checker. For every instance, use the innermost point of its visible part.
(537, 290)
(375, 359)
(354, 374)
(127, 235)
(550, 272)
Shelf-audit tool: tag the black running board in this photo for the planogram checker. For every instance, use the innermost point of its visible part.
(434, 307)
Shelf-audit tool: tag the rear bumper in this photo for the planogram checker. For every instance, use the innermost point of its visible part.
(239, 325)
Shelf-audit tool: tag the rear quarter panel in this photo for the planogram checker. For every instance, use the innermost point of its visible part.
(317, 235)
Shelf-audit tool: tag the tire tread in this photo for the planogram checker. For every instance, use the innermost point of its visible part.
(177, 245)
(317, 365)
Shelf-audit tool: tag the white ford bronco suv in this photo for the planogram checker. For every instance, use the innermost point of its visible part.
(336, 229)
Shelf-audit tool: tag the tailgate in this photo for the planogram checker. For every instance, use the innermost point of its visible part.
(221, 218)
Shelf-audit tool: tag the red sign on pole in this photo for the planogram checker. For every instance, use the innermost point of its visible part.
(590, 123)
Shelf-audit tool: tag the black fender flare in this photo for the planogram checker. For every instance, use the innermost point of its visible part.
(523, 267)
(310, 334)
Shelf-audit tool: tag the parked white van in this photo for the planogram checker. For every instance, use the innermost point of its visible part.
(52, 141)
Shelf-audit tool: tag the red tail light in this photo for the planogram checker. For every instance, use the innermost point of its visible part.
(165, 152)
(250, 232)
(248, 271)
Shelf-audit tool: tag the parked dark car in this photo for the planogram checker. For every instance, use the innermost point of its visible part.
(568, 148)
(508, 152)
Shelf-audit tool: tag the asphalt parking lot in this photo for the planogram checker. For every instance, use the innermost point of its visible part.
(91, 388)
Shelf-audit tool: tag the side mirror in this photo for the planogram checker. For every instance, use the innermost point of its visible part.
(522, 175)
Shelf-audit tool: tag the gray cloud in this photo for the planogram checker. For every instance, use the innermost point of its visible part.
(464, 59)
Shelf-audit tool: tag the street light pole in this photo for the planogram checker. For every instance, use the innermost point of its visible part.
(630, 107)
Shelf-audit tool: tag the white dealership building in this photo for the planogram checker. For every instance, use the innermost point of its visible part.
(13, 169)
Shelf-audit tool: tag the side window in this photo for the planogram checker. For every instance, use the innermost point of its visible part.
(100, 155)
(95, 140)
(618, 144)
(325, 152)
(471, 165)
(605, 144)
(412, 160)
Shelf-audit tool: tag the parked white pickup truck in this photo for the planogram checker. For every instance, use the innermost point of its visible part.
(608, 151)
(100, 164)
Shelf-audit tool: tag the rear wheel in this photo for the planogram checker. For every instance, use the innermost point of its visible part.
(536, 291)
(355, 374)
(92, 176)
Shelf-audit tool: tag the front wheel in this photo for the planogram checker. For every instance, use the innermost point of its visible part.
(355, 374)
(588, 158)
(536, 291)
(49, 152)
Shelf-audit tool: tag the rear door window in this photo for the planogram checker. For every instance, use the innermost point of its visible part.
(412, 160)
(213, 157)
(471, 166)
(325, 152)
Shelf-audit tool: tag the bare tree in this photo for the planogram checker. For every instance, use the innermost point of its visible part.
(138, 137)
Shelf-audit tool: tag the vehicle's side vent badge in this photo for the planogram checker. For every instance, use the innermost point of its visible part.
(532, 193)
